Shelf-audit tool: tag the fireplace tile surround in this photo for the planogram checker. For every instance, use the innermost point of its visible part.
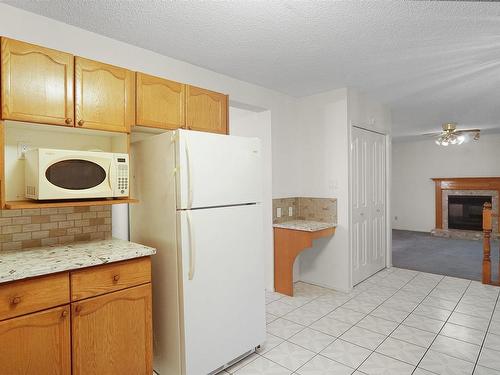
(445, 187)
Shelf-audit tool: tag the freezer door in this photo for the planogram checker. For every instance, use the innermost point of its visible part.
(217, 170)
(222, 285)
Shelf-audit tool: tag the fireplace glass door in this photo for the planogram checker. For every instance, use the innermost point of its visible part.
(466, 211)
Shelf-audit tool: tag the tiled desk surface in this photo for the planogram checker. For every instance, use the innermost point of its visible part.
(304, 225)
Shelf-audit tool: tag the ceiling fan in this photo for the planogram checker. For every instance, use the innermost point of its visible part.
(453, 136)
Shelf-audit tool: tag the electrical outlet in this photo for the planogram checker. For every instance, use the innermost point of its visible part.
(278, 212)
(22, 147)
(290, 211)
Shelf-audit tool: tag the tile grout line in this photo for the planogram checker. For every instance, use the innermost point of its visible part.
(401, 323)
(356, 294)
(373, 285)
(338, 338)
(486, 335)
(429, 348)
(335, 338)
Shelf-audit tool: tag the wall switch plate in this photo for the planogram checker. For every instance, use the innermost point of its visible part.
(22, 147)
(290, 211)
(278, 212)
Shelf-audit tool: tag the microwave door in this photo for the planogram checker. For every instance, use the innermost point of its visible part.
(77, 178)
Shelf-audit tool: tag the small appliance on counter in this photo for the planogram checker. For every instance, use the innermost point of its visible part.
(200, 206)
(70, 174)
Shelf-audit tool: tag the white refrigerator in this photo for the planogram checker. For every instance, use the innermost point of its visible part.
(200, 205)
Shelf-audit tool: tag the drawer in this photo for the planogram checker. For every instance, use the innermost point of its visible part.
(26, 296)
(94, 281)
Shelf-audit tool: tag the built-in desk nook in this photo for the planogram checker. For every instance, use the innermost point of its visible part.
(297, 222)
(290, 239)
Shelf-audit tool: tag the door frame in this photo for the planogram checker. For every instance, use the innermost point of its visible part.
(388, 171)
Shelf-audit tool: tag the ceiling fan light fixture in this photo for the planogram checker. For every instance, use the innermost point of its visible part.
(452, 136)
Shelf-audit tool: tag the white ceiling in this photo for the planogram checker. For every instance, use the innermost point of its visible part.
(430, 61)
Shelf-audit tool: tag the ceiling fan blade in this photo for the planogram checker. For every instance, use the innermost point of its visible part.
(468, 131)
(435, 134)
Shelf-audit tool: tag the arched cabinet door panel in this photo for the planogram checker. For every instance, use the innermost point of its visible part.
(36, 343)
(112, 333)
(104, 96)
(160, 102)
(37, 84)
(206, 110)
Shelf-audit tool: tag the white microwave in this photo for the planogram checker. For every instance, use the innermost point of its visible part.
(70, 174)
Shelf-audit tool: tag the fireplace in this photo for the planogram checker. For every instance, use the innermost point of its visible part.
(459, 203)
(465, 212)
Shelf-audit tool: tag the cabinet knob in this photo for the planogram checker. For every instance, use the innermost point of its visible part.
(64, 314)
(81, 122)
(78, 308)
(116, 278)
(68, 121)
(16, 300)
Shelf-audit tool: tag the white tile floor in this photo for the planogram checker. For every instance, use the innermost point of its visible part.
(397, 322)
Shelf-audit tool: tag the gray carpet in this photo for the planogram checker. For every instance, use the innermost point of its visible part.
(422, 252)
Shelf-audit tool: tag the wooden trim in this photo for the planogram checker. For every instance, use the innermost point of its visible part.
(288, 244)
(461, 183)
(487, 227)
(439, 207)
(16, 205)
(2, 164)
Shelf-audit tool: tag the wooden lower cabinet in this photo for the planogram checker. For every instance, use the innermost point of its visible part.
(108, 332)
(112, 333)
(36, 344)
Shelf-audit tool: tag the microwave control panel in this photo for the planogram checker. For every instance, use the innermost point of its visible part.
(122, 176)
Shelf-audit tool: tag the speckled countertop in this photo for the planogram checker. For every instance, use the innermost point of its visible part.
(304, 225)
(21, 264)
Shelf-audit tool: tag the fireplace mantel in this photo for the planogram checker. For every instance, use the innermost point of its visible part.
(461, 183)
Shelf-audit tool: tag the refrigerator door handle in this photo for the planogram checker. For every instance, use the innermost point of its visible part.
(190, 177)
(192, 247)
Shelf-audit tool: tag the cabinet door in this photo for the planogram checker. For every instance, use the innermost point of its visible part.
(160, 102)
(206, 110)
(104, 96)
(37, 84)
(112, 333)
(36, 344)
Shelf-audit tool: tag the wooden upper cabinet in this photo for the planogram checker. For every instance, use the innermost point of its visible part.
(37, 343)
(104, 96)
(112, 333)
(160, 102)
(37, 84)
(206, 110)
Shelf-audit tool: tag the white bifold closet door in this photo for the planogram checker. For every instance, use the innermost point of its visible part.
(368, 204)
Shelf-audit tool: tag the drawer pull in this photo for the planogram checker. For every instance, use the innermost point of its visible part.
(64, 314)
(16, 300)
(116, 278)
(78, 308)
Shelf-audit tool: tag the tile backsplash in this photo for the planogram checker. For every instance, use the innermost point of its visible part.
(316, 209)
(20, 229)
